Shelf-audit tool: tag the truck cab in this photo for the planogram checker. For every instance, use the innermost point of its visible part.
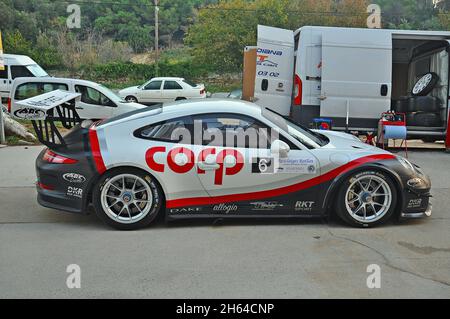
(352, 76)
(17, 66)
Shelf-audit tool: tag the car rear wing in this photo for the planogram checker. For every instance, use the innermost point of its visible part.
(45, 110)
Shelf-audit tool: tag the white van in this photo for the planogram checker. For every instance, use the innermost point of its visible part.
(96, 101)
(352, 75)
(17, 66)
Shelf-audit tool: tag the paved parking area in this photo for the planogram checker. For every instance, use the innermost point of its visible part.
(236, 259)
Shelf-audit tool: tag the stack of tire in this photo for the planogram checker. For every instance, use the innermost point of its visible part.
(421, 109)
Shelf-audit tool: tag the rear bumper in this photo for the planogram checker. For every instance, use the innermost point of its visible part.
(58, 186)
(56, 202)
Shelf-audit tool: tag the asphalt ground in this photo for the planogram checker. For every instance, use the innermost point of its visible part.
(234, 259)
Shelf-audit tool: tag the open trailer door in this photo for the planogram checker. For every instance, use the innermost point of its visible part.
(356, 76)
(274, 69)
(44, 111)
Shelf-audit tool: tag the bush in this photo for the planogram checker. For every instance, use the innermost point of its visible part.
(130, 72)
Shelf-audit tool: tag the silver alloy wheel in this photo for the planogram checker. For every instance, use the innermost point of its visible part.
(422, 83)
(126, 198)
(368, 198)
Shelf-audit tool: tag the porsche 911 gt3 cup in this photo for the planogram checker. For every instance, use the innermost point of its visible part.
(217, 159)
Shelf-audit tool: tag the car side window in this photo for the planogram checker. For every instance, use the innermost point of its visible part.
(4, 73)
(154, 85)
(92, 96)
(172, 131)
(18, 71)
(172, 85)
(27, 90)
(233, 130)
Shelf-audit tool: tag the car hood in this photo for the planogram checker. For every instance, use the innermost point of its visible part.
(136, 105)
(129, 89)
(346, 141)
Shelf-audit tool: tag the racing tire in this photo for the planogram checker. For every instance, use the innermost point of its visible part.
(425, 84)
(410, 119)
(127, 199)
(427, 119)
(400, 105)
(366, 199)
(131, 99)
(423, 104)
(430, 139)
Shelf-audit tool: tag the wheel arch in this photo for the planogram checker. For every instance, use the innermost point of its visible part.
(94, 181)
(333, 189)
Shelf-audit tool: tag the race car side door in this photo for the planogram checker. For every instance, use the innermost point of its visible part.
(273, 176)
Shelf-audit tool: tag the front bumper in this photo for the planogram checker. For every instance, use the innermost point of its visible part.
(426, 213)
(417, 199)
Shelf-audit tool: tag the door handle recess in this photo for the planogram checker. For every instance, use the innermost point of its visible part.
(208, 167)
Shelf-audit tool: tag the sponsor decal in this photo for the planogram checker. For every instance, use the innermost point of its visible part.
(74, 178)
(263, 61)
(415, 203)
(225, 208)
(74, 192)
(29, 114)
(269, 74)
(188, 163)
(187, 210)
(263, 165)
(304, 206)
(265, 205)
(296, 165)
(269, 52)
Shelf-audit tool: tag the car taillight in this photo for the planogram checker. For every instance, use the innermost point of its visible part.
(298, 90)
(9, 105)
(54, 158)
(44, 186)
(202, 91)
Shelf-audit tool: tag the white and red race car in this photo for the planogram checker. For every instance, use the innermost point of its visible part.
(217, 159)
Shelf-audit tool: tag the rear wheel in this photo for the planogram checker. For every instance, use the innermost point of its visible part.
(127, 199)
(366, 199)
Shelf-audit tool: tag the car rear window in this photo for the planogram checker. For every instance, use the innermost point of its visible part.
(190, 83)
(172, 131)
(28, 90)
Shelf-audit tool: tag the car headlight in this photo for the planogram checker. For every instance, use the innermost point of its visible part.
(406, 164)
(417, 183)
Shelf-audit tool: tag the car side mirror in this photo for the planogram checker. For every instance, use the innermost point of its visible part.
(280, 148)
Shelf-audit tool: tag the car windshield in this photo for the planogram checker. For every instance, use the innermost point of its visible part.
(36, 70)
(144, 84)
(304, 135)
(112, 95)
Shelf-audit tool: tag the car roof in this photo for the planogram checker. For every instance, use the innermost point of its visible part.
(53, 80)
(167, 78)
(190, 107)
(212, 106)
(20, 59)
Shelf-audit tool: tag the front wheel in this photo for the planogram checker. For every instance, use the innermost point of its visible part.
(131, 99)
(366, 199)
(127, 199)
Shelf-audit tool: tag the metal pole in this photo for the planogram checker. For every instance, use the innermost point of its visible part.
(2, 126)
(156, 38)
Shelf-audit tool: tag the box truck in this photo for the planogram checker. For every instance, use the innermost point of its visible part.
(352, 76)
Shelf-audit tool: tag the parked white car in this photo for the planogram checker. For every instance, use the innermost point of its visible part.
(161, 90)
(17, 66)
(97, 101)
